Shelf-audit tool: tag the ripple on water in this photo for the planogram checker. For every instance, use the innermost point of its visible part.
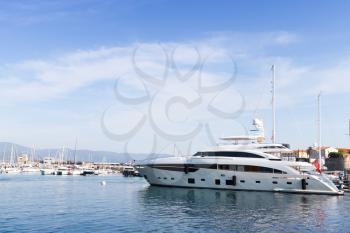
(69, 204)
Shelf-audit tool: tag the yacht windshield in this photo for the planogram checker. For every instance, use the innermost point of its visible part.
(237, 154)
(272, 147)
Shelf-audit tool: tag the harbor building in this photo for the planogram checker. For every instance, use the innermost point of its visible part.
(300, 154)
(339, 161)
(22, 159)
(295, 155)
(105, 165)
(325, 151)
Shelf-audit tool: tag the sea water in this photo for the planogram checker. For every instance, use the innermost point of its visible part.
(34, 203)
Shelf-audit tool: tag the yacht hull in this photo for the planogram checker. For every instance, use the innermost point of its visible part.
(234, 180)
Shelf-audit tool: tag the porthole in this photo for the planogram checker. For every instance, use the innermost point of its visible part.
(191, 180)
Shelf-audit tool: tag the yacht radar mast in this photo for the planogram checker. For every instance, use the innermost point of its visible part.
(259, 137)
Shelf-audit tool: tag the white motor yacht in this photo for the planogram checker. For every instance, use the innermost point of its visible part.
(30, 169)
(224, 167)
(62, 171)
(75, 172)
(247, 166)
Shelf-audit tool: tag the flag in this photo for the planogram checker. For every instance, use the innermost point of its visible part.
(317, 165)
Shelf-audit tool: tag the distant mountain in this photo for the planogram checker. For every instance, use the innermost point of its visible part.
(80, 155)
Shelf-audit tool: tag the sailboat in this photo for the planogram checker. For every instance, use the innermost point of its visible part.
(76, 171)
(31, 168)
(12, 168)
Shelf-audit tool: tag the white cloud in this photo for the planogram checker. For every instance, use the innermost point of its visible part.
(286, 38)
(33, 81)
(36, 80)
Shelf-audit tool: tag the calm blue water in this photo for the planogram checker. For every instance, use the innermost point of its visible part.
(80, 204)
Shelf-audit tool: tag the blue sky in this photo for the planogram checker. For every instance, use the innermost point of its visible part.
(59, 62)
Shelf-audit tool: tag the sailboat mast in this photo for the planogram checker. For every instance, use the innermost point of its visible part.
(319, 128)
(62, 155)
(75, 149)
(349, 128)
(33, 153)
(11, 157)
(3, 155)
(273, 106)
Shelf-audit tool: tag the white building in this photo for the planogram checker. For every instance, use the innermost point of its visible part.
(325, 150)
(49, 160)
(22, 159)
(300, 154)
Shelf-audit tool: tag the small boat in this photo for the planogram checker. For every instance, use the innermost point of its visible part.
(75, 172)
(336, 177)
(130, 171)
(104, 172)
(62, 171)
(12, 170)
(29, 169)
(47, 171)
(88, 172)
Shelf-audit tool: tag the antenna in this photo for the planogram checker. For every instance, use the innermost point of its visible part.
(273, 106)
(319, 128)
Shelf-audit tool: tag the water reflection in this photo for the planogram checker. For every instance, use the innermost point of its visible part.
(244, 211)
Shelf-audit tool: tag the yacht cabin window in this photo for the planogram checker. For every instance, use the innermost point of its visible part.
(235, 154)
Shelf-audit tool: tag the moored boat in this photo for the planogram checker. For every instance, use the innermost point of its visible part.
(226, 167)
(47, 171)
(130, 171)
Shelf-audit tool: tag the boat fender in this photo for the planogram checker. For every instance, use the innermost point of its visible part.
(234, 180)
(303, 184)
